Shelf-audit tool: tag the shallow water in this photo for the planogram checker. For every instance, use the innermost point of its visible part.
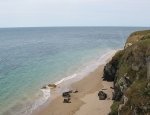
(32, 57)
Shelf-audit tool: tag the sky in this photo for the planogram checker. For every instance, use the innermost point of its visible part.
(40, 13)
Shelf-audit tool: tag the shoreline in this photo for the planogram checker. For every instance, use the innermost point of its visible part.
(85, 88)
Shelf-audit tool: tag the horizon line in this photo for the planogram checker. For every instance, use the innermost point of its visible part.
(70, 26)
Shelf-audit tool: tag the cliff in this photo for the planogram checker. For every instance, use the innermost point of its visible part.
(130, 71)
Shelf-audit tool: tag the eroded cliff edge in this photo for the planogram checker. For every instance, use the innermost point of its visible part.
(130, 71)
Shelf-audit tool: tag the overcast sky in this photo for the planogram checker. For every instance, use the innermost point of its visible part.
(29, 13)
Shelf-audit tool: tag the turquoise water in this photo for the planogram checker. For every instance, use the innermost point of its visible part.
(32, 57)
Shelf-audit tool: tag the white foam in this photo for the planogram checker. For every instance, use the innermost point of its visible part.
(30, 106)
(65, 79)
(46, 93)
(40, 101)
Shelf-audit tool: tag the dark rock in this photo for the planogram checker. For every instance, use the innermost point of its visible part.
(109, 72)
(111, 87)
(102, 95)
(128, 82)
(67, 100)
(76, 91)
(52, 85)
(44, 87)
(117, 95)
(66, 94)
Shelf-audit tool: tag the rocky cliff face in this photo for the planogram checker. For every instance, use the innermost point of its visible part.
(130, 71)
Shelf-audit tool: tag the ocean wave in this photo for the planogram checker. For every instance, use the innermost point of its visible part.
(43, 99)
(28, 107)
(46, 93)
(65, 79)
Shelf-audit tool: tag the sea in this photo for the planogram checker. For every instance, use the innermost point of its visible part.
(33, 57)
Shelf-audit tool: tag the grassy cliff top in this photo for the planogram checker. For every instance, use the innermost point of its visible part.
(137, 36)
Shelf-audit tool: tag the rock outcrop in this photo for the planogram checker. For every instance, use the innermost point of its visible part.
(52, 85)
(66, 94)
(102, 95)
(130, 71)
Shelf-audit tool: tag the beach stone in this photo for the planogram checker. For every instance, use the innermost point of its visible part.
(66, 94)
(67, 100)
(111, 87)
(44, 87)
(52, 85)
(76, 91)
(102, 95)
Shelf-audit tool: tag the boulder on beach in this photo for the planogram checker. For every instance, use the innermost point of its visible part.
(102, 95)
(76, 91)
(66, 94)
(44, 87)
(52, 85)
(67, 100)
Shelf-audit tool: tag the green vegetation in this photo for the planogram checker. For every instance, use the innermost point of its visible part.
(138, 36)
(144, 32)
(114, 108)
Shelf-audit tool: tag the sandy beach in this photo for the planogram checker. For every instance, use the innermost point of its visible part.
(85, 101)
